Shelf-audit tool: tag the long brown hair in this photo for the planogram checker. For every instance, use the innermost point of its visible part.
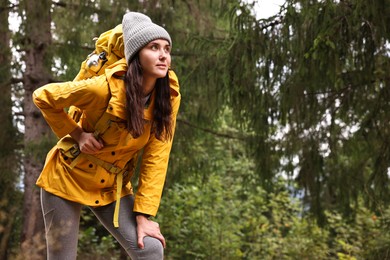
(162, 120)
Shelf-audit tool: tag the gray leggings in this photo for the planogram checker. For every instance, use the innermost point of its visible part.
(62, 219)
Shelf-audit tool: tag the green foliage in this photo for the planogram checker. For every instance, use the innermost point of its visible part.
(92, 246)
(367, 238)
(202, 220)
(94, 241)
(217, 221)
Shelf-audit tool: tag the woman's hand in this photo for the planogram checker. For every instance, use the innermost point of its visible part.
(87, 141)
(146, 227)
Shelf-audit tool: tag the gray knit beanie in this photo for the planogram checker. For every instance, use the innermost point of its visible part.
(139, 30)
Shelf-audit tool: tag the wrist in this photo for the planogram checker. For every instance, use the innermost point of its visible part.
(76, 133)
(140, 215)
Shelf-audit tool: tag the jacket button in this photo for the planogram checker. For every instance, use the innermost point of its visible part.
(113, 153)
(111, 108)
(96, 202)
(66, 158)
(102, 180)
(90, 165)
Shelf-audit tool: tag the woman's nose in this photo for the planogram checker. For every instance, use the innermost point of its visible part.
(163, 55)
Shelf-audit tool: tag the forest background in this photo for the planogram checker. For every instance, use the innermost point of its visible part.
(282, 145)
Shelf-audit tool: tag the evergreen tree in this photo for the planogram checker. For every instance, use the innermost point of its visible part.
(310, 85)
(9, 160)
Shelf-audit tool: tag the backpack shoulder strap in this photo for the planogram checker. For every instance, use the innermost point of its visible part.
(103, 124)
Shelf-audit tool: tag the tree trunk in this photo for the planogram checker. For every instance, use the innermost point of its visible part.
(38, 39)
(8, 142)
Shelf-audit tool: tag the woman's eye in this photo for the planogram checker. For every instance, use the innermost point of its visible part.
(154, 47)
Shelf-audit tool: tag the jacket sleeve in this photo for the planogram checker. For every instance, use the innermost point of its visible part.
(155, 164)
(52, 99)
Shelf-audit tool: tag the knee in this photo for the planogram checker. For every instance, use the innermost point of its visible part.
(153, 248)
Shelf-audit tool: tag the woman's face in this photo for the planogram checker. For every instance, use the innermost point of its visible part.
(155, 59)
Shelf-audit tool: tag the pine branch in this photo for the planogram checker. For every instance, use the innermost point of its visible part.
(64, 5)
(213, 132)
(8, 8)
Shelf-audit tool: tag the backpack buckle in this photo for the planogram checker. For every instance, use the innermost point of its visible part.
(96, 61)
(74, 151)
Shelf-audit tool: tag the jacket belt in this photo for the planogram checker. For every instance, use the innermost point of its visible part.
(111, 168)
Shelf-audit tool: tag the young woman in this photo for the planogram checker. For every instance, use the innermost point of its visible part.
(140, 97)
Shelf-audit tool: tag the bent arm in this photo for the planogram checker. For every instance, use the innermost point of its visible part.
(52, 99)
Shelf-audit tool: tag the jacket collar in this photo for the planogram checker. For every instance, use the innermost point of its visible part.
(117, 103)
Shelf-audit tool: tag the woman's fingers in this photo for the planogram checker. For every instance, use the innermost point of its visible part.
(88, 143)
(146, 227)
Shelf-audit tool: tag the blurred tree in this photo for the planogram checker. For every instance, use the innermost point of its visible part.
(37, 39)
(9, 159)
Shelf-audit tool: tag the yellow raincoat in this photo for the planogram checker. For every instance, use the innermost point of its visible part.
(88, 183)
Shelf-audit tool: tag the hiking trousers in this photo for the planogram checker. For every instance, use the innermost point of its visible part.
(62, 220)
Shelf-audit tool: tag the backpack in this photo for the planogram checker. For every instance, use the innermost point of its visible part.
(109, 48)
